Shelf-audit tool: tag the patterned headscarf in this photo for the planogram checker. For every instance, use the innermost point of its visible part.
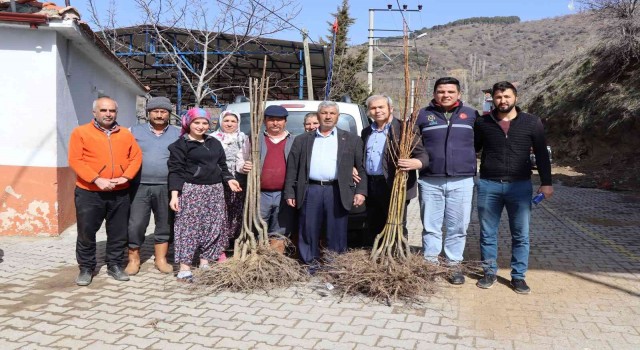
(223, 137)
(191, 115)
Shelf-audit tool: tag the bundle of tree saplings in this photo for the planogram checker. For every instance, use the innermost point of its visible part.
(390, 272)
(255, 265)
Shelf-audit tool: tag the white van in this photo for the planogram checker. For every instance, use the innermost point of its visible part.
(353, 117)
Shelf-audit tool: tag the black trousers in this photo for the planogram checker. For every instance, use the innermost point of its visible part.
(322, 207)
(378, 201)
(92, 208)
(147, 199)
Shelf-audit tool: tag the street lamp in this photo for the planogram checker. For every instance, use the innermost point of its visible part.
(371, 37)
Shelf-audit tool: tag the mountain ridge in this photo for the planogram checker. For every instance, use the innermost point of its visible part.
(482, 54)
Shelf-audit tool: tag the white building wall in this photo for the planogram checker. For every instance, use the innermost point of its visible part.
(27, 97)
(46, 90)
(80, 81)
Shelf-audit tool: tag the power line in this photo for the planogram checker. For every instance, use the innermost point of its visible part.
(402, 14)
(284, 20)
(271, 12)
(404, 20)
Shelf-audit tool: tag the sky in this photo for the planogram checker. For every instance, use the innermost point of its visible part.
(315, 13)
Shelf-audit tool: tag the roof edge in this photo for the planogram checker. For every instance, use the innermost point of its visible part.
(31, 18)
(100, 45)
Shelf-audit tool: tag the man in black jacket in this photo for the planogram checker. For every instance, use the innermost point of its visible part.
(505, 138)
(319, 182)
(380, 163)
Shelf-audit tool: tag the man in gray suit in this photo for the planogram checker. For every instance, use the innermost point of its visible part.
(319, 182)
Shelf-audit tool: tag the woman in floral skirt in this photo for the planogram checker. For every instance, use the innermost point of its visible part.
(197, 168)
(236, 145)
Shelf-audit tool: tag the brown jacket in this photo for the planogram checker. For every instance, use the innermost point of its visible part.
(93, 154)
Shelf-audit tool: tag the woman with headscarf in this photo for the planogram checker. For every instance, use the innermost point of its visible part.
(236, 145)
(311, 122)
(197, 169)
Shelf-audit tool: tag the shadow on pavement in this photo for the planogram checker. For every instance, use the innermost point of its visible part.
(603, 283)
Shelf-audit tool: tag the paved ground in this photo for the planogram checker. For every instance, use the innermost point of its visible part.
(585, 274)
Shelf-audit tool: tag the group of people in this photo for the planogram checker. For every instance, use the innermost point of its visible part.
(186, 180)
(193, 181)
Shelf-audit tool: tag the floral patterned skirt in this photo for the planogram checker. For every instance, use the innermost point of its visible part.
(235, 205)
(201, 223)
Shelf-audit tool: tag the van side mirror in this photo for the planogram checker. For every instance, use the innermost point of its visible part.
(240, 99)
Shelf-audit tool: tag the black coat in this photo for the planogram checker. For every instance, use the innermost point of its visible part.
(299, 162)
(202, 163)
(508, 156)
(388, 164)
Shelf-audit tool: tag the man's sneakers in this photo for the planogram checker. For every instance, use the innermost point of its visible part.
(117, 273)
(520, 286)
(487, 281)
(84, 277)
(456, 277)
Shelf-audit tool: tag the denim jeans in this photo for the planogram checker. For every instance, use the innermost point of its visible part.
(448, 200)
(493, 196)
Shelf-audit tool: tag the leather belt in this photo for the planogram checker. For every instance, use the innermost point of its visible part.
(505, 180)
(323, 182)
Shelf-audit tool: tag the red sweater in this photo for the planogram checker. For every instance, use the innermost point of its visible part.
(274, 167)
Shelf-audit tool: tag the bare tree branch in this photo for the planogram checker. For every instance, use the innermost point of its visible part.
(211, 34)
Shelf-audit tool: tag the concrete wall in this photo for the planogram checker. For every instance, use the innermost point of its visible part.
(28, 136)
(47, 89)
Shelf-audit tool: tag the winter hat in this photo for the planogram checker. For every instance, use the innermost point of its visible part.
(159, 103)
(191, 115)
(275, 111)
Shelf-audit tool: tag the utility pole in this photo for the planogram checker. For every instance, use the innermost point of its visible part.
(307, 63)
(370, 56)
(413, 95)
(371, 37)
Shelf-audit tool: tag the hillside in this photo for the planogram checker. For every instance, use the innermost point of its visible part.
(481, 54)
(590, 105)
(591, 108)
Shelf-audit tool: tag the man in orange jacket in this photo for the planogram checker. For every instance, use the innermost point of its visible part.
(105, 157)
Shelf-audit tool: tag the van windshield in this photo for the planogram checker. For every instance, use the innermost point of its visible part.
(295, 122)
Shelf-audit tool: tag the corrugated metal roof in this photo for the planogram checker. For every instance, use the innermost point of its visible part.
(139, 50)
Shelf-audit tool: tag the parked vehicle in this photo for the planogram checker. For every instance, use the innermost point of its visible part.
(353, 118)
(532, 157)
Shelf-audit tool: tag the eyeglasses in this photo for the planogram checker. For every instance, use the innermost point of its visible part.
(110, 110)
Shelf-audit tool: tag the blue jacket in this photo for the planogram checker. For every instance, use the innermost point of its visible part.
(449, 143)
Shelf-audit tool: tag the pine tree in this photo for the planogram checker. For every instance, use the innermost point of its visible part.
(346, 65)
